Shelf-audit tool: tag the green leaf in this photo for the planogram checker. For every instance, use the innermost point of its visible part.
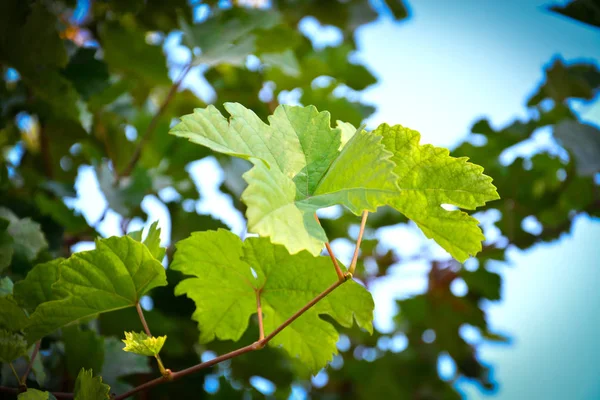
(224, 289)
(482, 282)
(12, 317)
(6, 286)
(140, 343)
(28, 239)
(298, 168)
(88, 74)
(227, 37)
(34, 394)
(585, 11)
(89, 388)
(36, 288)
(152, 241)
(429, 178)
(113, 276)
(83, 349)
(12, 346)
(286, 61)
(126, 50)
(71, 221)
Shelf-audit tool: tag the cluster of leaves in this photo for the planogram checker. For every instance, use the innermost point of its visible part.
(93, 89)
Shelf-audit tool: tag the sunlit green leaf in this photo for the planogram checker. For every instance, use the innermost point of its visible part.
(115, 275)
(429, 178)
(140, 343)
(298, 168)
(36, 288)
(284, 282)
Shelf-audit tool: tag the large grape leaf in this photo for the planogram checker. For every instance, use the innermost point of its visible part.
(298, 168)
(429, 178)
(229, 274)
(115, 275)
(36, 288)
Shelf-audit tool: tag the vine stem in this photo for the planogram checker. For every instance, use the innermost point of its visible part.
(152, 125)
(168, 375)
(338, 270)
(259, 344)
(14, 371)
(161, 367)
(36, 350)
(171, 376)
(140, 312)
(361, 232)
(261, 328)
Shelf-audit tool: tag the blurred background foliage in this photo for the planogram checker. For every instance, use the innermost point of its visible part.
(90, 83)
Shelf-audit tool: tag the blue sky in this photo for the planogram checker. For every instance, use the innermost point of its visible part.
(450, 64)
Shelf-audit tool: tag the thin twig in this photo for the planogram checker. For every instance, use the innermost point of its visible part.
(161, 366)
(261, 328)
(58, 395)
(140, 312)
(304, 309)
(152, 125)
(14, 371)
(36, 349)
(338, 270)
(363, 222)
(246, 349)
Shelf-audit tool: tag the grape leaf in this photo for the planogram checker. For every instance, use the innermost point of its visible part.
(297, 168)
(227, 36)
(83, 349)
(12, 346)
(152, 240)
(89, 388)
(34, 394)
(140, 343)
(12, 317)
(28, 239)
(430, 177)
(225, 289)
(126, 49)
(115, 275)
(36, 288)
